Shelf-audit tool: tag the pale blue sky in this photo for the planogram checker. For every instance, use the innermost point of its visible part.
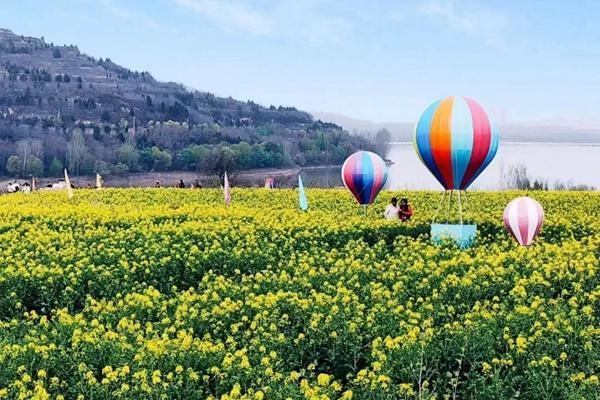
(524, 61)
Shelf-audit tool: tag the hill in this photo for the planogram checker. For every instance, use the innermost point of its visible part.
(403, 132)
(400, 131)
(60, 107)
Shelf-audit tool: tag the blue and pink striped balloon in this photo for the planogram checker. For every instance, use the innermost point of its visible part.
(364, 174)
(456, 141)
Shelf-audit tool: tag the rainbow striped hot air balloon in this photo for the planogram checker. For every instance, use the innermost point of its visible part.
(456, 140)
(523, 218)
(364, 174)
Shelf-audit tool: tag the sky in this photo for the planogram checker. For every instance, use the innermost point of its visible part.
(527, 62)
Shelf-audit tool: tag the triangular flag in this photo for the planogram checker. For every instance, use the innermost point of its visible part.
(226, 190)
(269, 183)
(301, 195)
(69, 188)
(98, 181)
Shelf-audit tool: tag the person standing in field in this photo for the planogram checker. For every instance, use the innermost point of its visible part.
(157, 184)
(181, 185)
(391, 211)
(196, 184)
(405, 211)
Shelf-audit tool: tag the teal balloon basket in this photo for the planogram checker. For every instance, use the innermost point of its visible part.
(462, 235)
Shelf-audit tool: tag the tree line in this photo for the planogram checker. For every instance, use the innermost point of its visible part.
(117, 149)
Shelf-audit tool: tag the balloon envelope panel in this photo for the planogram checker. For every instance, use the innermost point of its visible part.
(364, 174)
(456, 141)
(523, 218)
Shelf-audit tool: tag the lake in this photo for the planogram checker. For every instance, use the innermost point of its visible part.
(568, 163)
(573, 163)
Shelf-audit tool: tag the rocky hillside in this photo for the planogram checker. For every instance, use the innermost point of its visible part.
(44, 80)
(63, 107)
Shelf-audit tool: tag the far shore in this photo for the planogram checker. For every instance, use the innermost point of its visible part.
(284, 177)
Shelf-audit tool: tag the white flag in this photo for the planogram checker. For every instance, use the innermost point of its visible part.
(69, 188)
(302, 200)
(226, 190)
(98, 181)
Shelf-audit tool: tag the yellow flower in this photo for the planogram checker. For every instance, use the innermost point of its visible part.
(521, 344)
(578, 377)
(156, 377)
(592, 380)
(486, 367)
(323, 379)
(347, 395)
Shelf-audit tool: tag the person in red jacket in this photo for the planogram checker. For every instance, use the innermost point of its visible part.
(405, 211)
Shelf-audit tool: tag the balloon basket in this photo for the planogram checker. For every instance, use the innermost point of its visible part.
(462, 235)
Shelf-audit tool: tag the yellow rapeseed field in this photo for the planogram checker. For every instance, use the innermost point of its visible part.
(167, 294)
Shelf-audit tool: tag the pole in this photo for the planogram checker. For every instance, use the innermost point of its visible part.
(466, 201)
(449, 205)
(327, 161)
(460, 208)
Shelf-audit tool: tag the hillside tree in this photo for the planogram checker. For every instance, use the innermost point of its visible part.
(13, 165)
(34, 167)
(56, 167)
(221, 159)
(76, 151)
(383, 137)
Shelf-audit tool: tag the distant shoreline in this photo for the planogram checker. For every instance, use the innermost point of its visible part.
(529, 143)
(284, 177)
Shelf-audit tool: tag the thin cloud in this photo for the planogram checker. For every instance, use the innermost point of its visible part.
(293, 20)
(133, 17)
(231, 15)
(486, 23)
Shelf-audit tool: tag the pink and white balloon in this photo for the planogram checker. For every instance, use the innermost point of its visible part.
(523, 218)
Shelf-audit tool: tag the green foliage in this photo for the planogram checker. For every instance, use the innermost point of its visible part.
(102, 168)
(56, 168)
(214, 159)
(264, 130)
(120, 169)
(162, 159)
(14, 165)
(34, 166)
(128, 155)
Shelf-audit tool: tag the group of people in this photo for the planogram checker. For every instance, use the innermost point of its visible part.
(181, 184)
(393, 211)
(14, 187)
(402, 211)
(26, 187)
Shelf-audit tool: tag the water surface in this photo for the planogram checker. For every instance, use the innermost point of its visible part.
(555, 162)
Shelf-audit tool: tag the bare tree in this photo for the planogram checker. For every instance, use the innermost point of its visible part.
(383, 138)
(517, 177)
(76, 151)
(220, 160)
(37, 148)
(23, 151)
